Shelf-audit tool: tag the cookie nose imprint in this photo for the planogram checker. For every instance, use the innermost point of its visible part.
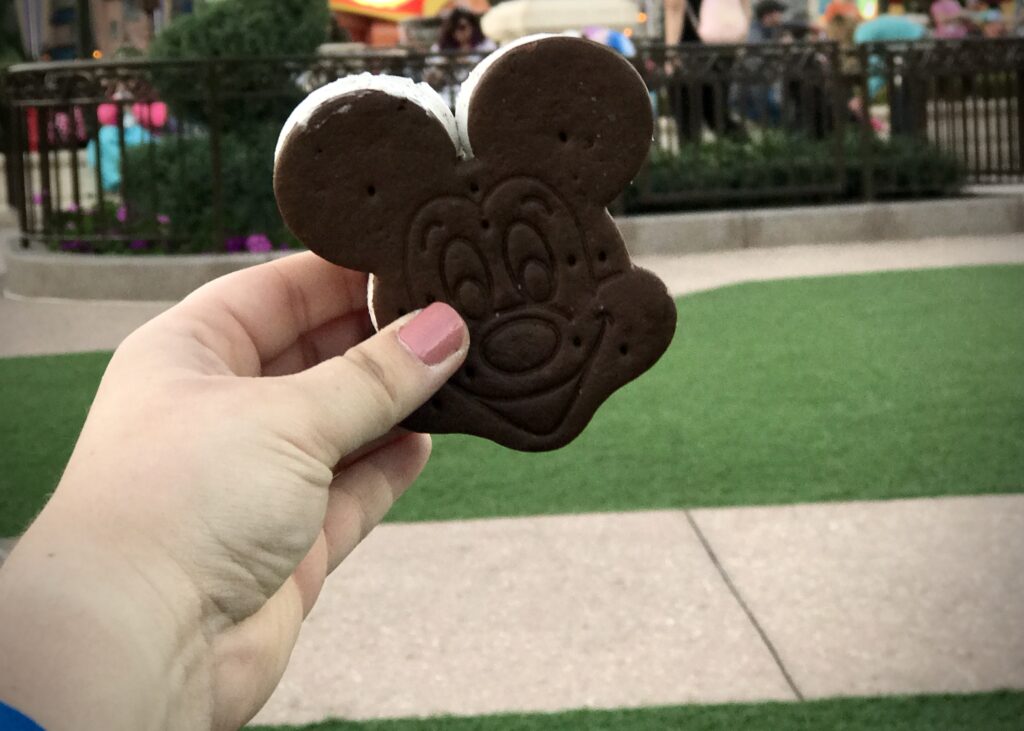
(521, 345)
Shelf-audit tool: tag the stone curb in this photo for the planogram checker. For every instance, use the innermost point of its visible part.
(46, 275)
(990, 215)
(36, 274)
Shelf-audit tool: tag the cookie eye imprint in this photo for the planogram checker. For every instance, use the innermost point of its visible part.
(466, 279)
(374, 173)
(530, 262)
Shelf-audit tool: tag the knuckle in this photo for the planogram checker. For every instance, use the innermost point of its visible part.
(380, 382)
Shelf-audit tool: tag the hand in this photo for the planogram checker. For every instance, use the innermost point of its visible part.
(164, 584)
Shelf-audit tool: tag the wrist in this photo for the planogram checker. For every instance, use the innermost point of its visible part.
(95, 631)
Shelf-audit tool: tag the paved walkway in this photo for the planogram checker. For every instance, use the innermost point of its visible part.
(37, 327)
(650, 608)
(668, 607)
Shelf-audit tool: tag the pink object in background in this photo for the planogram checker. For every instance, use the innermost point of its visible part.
(107, 114)
(63, 130)
(151, 115)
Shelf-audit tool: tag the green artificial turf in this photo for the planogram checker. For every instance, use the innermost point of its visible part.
(1003, 711)
(877, 386)
(889, 385)
(43, 402)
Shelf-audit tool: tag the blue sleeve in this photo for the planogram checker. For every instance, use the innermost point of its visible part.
(12, 720)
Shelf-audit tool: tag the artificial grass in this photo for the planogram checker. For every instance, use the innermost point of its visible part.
(43, 402)
(1001, 711)
(892, 385)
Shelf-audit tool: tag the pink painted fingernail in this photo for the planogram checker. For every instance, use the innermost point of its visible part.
(434, 334)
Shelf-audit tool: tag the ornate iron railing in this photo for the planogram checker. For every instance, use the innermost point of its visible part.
(100, 154)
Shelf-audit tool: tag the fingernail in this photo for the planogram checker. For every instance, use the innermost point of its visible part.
(434, 334)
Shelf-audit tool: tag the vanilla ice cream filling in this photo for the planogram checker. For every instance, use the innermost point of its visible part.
(397, 86)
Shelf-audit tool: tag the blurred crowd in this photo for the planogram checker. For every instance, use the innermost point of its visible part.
(724, 107)
(736, 21)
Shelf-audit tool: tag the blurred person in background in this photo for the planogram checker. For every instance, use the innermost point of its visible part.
(841, 9)
(760, 102)
(907, 99)
(616, 40)
(766, 25)
(991, 22)
(460, 34)
(948, 17)
(839, 29)
(808, 105)
(461, 31)
(688, 22)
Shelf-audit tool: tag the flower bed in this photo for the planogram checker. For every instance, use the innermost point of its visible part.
(111, 229)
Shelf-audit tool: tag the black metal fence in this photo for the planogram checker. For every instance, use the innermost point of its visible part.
(137, 156)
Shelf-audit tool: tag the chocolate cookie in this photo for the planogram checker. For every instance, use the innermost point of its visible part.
(501, 215)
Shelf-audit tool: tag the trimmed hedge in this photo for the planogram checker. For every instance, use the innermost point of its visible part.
(698, 174)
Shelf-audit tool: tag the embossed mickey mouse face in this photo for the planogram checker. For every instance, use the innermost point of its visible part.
(503, 217)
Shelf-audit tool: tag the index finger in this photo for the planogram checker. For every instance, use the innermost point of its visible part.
(249, 317)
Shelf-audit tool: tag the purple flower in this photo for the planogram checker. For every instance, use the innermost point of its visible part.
(139, 244)
(258, 243)
(234, 243)
(71, 245)
(38, 198)
(284, 245)
(163, 219)
(122, 214)
(72, 208)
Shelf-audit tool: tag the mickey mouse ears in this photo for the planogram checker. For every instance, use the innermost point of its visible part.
(562, 101)
(359, 156)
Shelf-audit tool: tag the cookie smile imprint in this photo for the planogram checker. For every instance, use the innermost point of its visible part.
(499, 210)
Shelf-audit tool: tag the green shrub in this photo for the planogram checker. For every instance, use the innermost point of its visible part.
(235, 29)
(174, 179)
(763, 170)
(107, 229)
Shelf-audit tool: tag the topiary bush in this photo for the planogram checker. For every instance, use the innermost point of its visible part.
(239, 29)
(172, 179)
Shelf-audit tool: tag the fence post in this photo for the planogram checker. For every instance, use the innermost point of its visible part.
(867, 134)
(1020, 121)
(43, 121)
(838, 89)
(216, 160)
(16, 168)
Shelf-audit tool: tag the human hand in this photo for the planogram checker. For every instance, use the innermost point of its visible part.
(230, 461)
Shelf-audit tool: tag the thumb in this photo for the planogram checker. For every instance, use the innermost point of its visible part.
(350, 400)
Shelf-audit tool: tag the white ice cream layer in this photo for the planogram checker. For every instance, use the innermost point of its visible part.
(371, 282)
(465, 96)
(397, 86)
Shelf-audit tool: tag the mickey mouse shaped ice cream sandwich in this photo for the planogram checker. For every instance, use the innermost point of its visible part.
(500, 212)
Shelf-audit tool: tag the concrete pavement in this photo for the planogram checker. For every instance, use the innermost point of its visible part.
(697, 272)
(33, 327)
(667, 607)
(649, 608)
